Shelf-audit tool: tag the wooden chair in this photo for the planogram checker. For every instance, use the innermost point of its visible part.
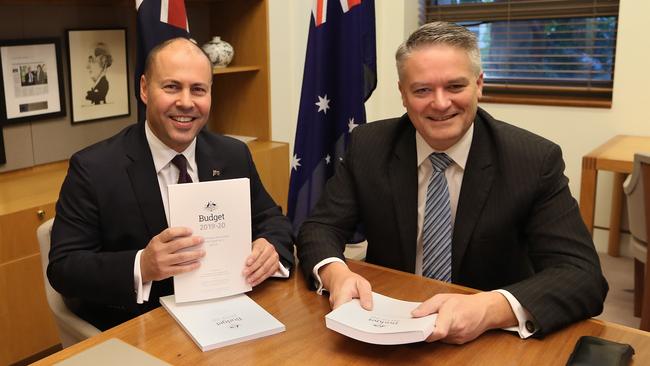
(72, 329)
(637, 192)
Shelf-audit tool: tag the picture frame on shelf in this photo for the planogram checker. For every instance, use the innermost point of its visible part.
(31, 80)
(99, 74)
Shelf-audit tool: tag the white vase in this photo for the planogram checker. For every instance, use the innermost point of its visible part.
(220, 52)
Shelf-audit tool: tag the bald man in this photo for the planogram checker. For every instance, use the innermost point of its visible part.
(113, 254)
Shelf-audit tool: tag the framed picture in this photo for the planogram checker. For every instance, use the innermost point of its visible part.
(99, 75)
(31, 80)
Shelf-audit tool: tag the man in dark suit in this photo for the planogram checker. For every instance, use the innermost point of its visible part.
(112, 249)
(97, 94)
(29, 76)
(496, 216)
(41, 75)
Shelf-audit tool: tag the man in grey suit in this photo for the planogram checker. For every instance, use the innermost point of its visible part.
(512, 228)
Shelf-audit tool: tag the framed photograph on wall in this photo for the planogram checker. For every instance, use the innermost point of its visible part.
(99, 75)
(31, 80)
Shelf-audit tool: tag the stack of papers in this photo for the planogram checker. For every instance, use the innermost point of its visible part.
(217, 323)
(208, 302)
(389, 321)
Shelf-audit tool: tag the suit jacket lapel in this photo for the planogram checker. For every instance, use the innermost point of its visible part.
(477, 182)
(211, 164)
(403, 176)
(144, 180)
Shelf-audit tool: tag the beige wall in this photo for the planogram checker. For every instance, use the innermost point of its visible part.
(576, 130)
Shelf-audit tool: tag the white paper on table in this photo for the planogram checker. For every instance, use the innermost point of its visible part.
(220, 212)
(389, 321)
(221, 322)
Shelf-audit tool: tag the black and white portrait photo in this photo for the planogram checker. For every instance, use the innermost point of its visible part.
(99, 60)
(99, 84)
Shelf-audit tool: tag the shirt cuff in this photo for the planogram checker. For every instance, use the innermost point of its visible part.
(526, 326)
(318, 282)
(282, 271)
(142, 290)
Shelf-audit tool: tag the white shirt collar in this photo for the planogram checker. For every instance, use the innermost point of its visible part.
(163, 154)
(457, 152)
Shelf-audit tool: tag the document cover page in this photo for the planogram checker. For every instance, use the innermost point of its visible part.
(220, 212)
(222, 322)
(389, 321)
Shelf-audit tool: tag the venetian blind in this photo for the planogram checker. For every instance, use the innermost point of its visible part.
(559, 52)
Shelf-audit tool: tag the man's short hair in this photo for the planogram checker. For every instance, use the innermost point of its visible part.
(148, 63)
(102, 56)
(440, 33)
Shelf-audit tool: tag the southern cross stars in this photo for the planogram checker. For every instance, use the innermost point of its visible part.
(351, 125)
(323, 104)
(295, 162)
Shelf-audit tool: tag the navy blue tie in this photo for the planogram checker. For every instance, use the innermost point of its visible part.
(437, 226)
(181, 163)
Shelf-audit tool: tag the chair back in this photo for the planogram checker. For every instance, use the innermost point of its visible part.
(637, 191)
(72, 329)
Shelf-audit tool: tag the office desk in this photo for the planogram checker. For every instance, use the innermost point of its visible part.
(307, 341)
(617, 156)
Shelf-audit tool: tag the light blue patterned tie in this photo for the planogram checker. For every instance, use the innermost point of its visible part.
(437, 227)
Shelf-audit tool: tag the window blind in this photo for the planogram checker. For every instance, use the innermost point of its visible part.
(539, 51)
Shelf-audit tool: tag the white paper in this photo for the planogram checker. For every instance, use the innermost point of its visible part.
(220, 212)
(222, 322)
(389, 321)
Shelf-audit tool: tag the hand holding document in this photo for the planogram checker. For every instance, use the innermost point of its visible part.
(208, 303)
(219, 211)
(389, 321)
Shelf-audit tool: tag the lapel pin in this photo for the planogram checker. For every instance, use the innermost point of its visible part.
(216, 173)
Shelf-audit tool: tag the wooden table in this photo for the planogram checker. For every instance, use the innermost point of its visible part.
(307, 341)
(617, 156)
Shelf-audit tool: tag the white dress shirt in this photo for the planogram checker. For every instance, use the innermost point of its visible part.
(454, 175)
(168, 174)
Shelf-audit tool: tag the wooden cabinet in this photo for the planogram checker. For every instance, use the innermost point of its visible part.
(271, 161)
(26, 200)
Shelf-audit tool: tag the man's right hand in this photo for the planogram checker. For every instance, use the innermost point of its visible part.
(168, 254)
(345, 285)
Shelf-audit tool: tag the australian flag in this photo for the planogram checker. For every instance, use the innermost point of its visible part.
(340, 75)
(158, 21)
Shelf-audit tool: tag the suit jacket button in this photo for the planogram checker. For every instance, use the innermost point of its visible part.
(530, 326)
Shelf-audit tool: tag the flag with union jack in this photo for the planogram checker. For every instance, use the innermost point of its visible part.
(158, 21)
(340, 75)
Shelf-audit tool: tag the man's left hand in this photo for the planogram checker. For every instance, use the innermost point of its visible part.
(462, 318)
(263, 262)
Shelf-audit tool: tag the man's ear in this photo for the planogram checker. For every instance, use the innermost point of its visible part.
(479, 85)
(143, 89)
(402, 93)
